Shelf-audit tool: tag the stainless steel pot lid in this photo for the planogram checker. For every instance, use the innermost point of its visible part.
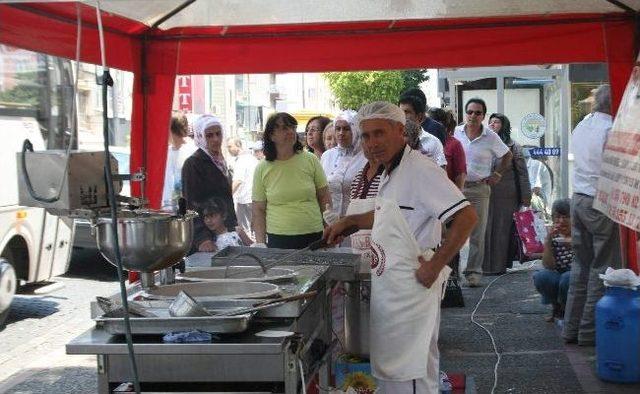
(208, 291)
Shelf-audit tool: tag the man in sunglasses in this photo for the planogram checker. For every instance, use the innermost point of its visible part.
(482, 148)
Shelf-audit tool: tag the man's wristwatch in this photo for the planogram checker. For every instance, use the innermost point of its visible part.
(498, 174)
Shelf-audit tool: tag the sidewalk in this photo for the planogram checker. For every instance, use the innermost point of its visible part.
(534, 357)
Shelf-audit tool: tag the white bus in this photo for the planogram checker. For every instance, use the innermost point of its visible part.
(36, 94)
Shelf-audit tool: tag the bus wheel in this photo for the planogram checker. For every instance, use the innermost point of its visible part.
(8, 285)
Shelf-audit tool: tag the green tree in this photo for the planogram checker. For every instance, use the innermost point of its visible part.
(25, 92)
(353, 89)
(413, 78)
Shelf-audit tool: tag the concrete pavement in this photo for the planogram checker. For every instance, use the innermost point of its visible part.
(33, 359)
(534, 357)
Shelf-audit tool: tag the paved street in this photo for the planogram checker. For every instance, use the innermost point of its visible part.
(39, 325)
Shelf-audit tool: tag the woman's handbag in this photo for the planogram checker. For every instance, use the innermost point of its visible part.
(531, 232)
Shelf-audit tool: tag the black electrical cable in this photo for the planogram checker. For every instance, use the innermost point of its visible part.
(106, 82)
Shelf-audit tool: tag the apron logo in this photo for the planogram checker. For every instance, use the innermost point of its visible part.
(378, 258)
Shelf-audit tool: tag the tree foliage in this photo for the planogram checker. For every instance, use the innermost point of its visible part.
(353, 89)
(413, 78)
(25, 92)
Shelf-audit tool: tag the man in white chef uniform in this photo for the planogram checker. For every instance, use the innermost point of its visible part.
(414, 199)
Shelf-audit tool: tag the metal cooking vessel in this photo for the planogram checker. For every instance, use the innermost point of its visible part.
(356, 318)
(149, 240)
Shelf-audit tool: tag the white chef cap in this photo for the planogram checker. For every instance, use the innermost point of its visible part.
(350, 116)
(381, 110)
(347, 115)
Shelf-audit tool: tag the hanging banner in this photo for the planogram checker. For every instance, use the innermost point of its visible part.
(185, 94)
(618, 193)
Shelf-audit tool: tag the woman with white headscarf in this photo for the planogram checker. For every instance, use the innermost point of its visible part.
(342, 163)
(205, 175)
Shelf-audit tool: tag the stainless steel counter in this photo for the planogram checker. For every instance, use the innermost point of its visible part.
(232, 362)
(266, 363)
(96, 341)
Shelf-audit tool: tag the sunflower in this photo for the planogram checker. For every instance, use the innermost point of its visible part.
(360, 382)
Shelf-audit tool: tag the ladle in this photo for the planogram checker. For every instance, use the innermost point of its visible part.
(268, 304)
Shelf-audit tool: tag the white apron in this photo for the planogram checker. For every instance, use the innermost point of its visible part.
(404, 313)
(361, 241)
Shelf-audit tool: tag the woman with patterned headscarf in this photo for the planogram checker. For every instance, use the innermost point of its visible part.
(341, 163)
(205, 175)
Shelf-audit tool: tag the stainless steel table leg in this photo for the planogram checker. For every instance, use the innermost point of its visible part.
(103, 375)
(291, 372)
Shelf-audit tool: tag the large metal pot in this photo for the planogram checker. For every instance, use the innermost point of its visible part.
(356, 318)
(148, 240)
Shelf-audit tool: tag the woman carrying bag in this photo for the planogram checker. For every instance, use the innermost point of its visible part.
(507, 196)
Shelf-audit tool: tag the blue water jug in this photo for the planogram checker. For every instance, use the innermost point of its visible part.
(618, 335)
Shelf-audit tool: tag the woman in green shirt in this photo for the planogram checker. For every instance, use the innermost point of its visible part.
(289, 189)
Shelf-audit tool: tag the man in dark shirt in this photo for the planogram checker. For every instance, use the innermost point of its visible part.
(429, 125)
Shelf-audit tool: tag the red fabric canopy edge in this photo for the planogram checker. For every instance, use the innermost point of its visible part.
(583, 42)
(66, 11)
(470, 47)
(41, 33)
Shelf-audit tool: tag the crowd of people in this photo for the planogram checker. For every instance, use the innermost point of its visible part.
(276, 192)
(417, 185)
(290, 201)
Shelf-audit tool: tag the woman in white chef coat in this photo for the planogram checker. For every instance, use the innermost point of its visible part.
(342, 163)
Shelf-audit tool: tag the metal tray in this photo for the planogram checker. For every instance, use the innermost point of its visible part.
(160, 307)
(164, 324)
(209, 291)
(238, 273)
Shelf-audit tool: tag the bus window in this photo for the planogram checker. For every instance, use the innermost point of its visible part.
(40, 87)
